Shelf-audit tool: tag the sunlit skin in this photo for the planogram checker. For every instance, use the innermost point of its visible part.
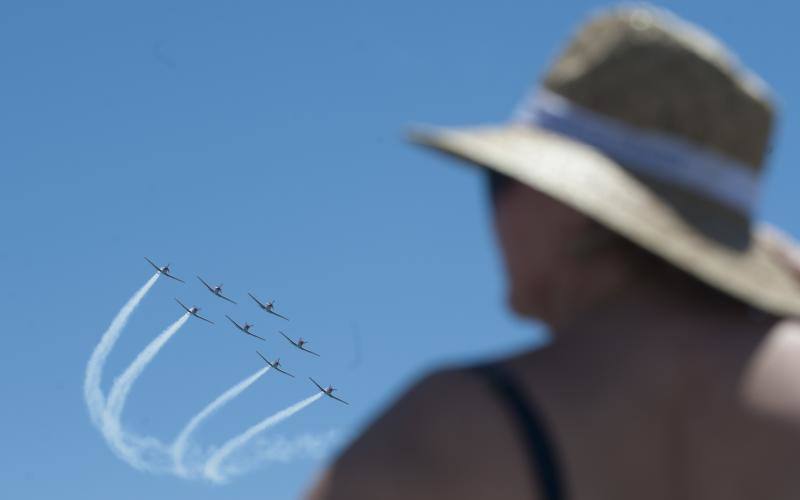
(654, 386)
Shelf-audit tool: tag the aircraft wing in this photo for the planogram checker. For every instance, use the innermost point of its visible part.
(206, 284)
(284, 372)
(262, 357)
(278, 315)
(252, 334)
(318, 386)
(224, 297)
(235, 323)
(287, 338)
(338, 399)
(153, 264)
(173, 277)
(309, 351)
(204, 319)
(262, 306)
(183, 306)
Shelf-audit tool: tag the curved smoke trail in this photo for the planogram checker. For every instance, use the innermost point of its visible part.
(92, 393)
(148, 453)
(112, 428)
(181, 442)
(212, 470)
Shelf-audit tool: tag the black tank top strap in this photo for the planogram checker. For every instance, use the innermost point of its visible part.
(531, 428)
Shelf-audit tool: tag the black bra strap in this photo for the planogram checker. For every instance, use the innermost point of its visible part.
(537, 442)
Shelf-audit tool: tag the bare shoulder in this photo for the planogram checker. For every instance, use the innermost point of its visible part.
(769, 430)
(772, 381)
(446, 437)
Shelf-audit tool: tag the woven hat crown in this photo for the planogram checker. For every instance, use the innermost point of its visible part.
(652, 70)
(651, 127)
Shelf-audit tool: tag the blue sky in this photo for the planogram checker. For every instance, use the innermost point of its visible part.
(261, 145)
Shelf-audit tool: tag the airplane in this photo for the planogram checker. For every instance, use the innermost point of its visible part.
(216, 290)
(193, 311)
(275, 365)
(299, 344)
(328, 392)
(245, 328)
(269, 306)
(164, 270)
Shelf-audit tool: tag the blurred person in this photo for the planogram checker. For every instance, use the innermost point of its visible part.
(623, 194)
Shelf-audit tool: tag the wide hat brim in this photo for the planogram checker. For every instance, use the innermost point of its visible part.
(764, 274)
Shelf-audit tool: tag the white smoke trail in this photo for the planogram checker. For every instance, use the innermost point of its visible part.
(111, 426)
(93, 395)
(180, 444)
(148, 453)
(280, 449)
(212, 467)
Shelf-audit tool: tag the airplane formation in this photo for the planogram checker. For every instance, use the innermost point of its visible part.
(246, 328)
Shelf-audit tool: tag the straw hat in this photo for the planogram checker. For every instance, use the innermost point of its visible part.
(651, 127)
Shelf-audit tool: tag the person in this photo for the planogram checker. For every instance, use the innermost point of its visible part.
(623, 194)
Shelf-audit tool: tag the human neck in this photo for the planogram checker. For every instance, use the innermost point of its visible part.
(658, 311)
(610, 290)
